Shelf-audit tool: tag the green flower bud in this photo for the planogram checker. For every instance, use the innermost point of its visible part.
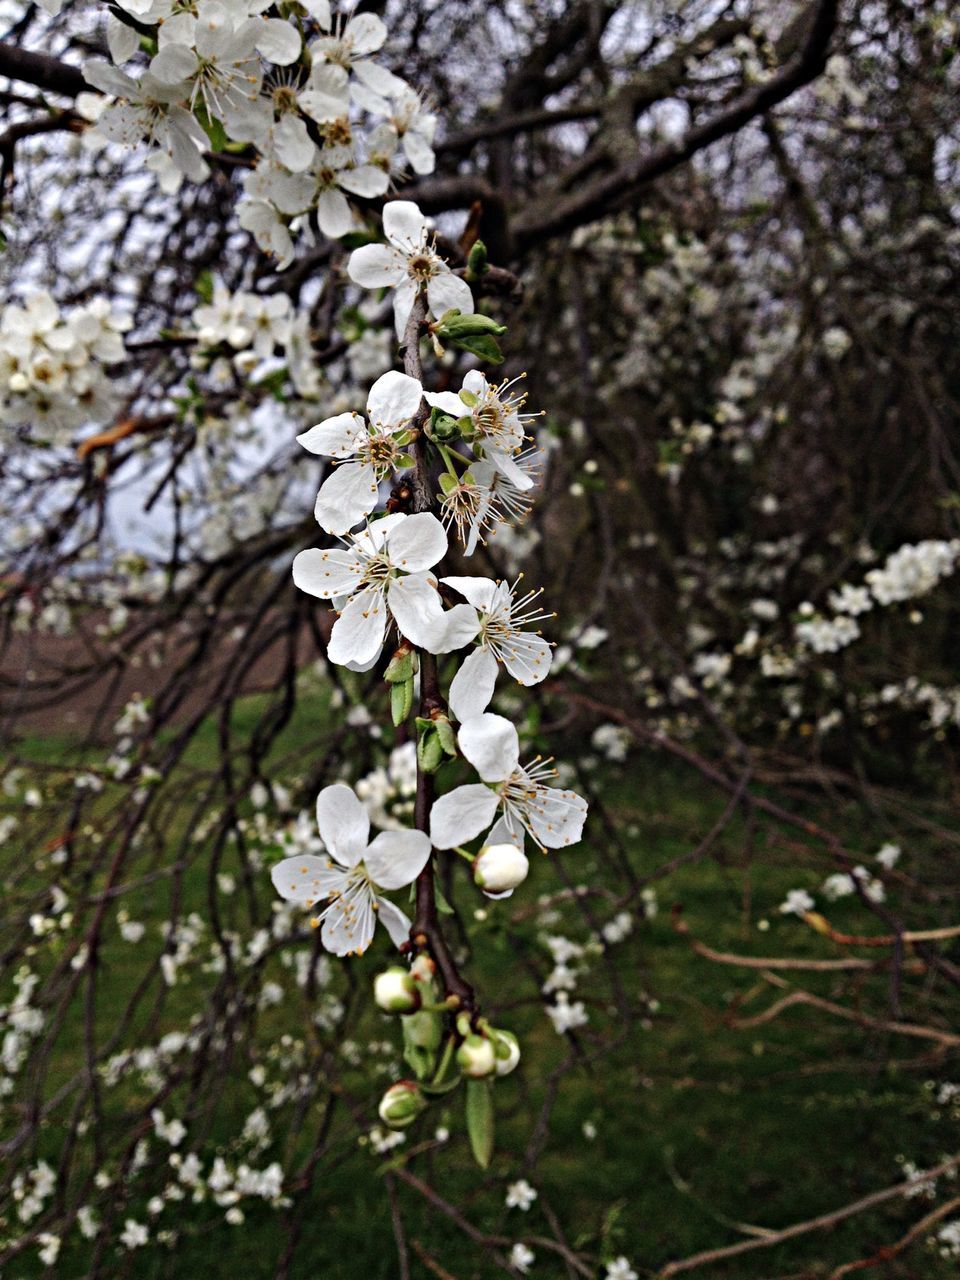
(401, 1104)
(477, 260)
(395, 991)
(476, 1057)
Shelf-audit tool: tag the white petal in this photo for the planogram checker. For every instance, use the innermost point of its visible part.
(348, 929)
(333, 214)
(502, 832)
(416, 608)
(346, 497)
(320, 10)
(418, 543)
(461, 814)
(375, 266)
(174, 64)
(394, 921)
(327, 574)
(335, 437)
(343, 823)
(404, 225)
(479, 591)
(556, 817)
(402, 306)
(306, 879)
(394, 398)
(447, 402)
(492, 746)
(446, 291)
(364, 180)
(365, 33)
(294, 147)
(122, 41)
(327, 96)
(278, 41)
(472, 687)
(506, 466)
(357, 635)
(395, 858)
(379, 79)
(527, 657)
(419, 152)
(454, 628)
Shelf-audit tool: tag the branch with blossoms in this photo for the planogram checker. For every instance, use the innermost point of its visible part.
(471, 470)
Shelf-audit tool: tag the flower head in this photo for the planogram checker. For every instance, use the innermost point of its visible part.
(553, 817)
(351, 879)
(381, 574)
(367, 451)
(408, 264)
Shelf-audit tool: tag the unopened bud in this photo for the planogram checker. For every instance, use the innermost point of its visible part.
(401, 1104)
(506, 1049)
(453, 325)
(499, 868)
(395, 991)
(476, 1057)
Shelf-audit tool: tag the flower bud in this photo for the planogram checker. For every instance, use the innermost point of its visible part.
(395, 991)
(499, 868)
(506, 1049)
(401, 1104)
(476, 1057)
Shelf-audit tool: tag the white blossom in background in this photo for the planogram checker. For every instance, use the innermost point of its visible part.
(350, 879)
(796, 903)
(520, 1195)
(522, 1257)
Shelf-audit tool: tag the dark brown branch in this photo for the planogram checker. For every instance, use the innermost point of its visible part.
(47, 73)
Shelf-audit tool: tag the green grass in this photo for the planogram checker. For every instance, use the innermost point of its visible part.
(699, 1126)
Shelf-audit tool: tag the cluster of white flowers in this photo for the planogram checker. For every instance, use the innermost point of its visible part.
(53, 364)
(325, 120)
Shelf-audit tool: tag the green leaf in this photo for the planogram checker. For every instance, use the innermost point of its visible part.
(481, 345)
(480, 1120)
(203, 286)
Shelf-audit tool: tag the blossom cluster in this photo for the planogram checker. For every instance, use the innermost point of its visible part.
(304, 93)
(53, 363)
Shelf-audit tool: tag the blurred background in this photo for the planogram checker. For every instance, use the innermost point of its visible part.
(734, 232)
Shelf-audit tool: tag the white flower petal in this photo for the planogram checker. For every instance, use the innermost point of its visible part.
(472, 687)
(506, 466)
(402, 306)
(306, 879)
(527, 657)
(394, 921)
(404, 225)
(416, 608)
(556, 817)
(379, 79)
(376, 266)
(446, 291)
(481, 592)
(333, 214)
(364, 180)
(327, 574)
(447, 402)
(492, 746)
(335, 437)
(365, 33)
(455, 628)
(395, 858)
(343, 823)
(278, 41)
(418, 543)
(357, 635)
(348, 930)
(419, 152)
(461, 814)
(394, 399)
(174, 64)
(346, 497)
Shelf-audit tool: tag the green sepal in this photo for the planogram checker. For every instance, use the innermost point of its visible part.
(402, 666)
(448, 482)
(477, 263)
(480, 1120)
(448, 739)
(401, 700)
(468, 398)
(403, 462)
(430, 752)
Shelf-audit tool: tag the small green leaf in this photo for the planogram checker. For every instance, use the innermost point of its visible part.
(481, 345)
(480, 1120)
(401, 700)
